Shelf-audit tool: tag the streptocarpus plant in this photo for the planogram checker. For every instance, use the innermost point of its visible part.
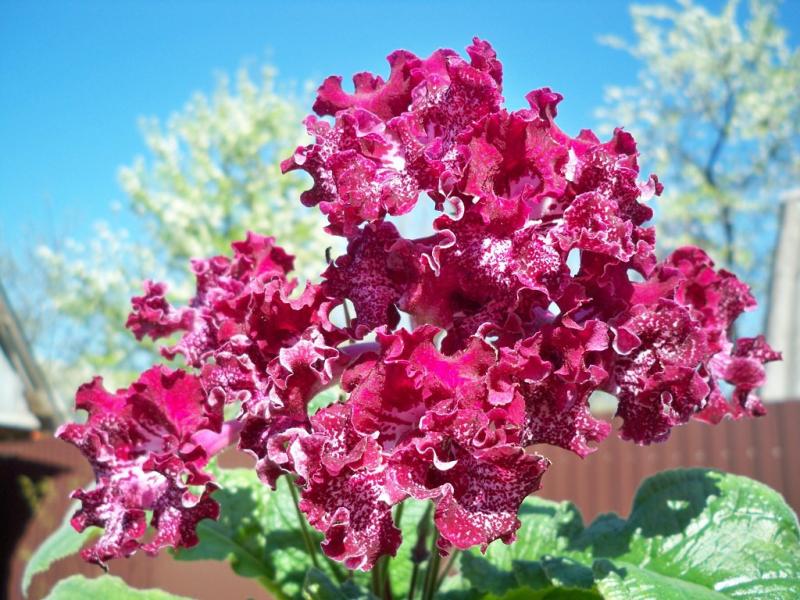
(537, 286)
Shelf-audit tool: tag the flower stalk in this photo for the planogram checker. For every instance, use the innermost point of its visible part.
(309, 543)
(447, 567)
(432, 573)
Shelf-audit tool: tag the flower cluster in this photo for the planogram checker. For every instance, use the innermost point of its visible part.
(537, 286)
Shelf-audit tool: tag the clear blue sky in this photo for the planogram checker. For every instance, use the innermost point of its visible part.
(75, 77)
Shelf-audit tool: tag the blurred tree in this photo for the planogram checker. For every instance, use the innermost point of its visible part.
(213, 174)
(717, 109)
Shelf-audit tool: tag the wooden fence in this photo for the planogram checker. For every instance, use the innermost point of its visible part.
(766, 449)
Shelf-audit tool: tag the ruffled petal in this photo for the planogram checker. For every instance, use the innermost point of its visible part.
(343, 493)
(477, 494)
(142, 445)
(153, 316)
(393, 140)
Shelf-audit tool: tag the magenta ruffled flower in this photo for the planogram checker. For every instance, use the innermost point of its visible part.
(536, 287)
(147, 445)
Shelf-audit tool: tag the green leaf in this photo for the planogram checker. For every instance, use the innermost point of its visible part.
(688, 530)
(530, 574)
(318, 586)
(547, 529)
(720, 531)
(63, 542)
(551, 578)
(541, 559)
(485, 576)
(551, 593)
(624, 581)
(563, 572)
(106, 587)
(258, 532)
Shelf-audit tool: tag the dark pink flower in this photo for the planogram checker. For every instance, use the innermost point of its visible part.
(486, 278)
(477, 492)
(554, 373)
(153, 316)
(441, 437)
(143, 448)
(375, 274)
(537, 286)
(343, 489)
(391, 141)
(743, 368)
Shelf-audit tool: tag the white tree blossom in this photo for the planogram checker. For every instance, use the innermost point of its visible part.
(717, 108)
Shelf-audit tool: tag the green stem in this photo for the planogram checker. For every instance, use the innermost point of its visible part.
(384, 564)
(381, 586)
(347, 319)
(386, 580)
(446, 570)
(419, 552)
(312, 551)
(413, 585)
(431, 575)
(376, 579)
(398, 514)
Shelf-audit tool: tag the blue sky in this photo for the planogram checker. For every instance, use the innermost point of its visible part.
(75, 77)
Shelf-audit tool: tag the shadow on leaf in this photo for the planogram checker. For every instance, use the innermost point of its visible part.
(664, 505)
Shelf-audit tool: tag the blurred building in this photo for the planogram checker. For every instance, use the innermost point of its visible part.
(783, 331)
(27, 403)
